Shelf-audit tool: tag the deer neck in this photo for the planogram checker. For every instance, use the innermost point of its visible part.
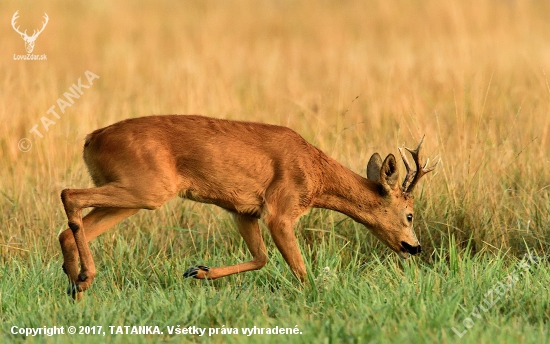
(347, 192)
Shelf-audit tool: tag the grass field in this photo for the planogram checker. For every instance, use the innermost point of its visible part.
(353, 78)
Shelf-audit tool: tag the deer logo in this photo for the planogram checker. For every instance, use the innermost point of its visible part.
(29, 40)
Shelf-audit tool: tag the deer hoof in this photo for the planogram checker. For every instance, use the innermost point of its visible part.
(75, 292)
(194, 271)
(72, 290)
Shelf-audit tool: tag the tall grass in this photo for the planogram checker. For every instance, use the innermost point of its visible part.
(352, 77)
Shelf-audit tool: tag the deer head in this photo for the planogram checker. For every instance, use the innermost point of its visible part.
(29, 40)
(393, 220)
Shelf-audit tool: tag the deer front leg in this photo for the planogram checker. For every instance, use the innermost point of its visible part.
(250, 231)
(282, 231)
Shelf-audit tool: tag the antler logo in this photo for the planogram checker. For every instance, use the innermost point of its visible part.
(29, 40)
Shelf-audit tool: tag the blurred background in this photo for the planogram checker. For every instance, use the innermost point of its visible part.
(352, 77)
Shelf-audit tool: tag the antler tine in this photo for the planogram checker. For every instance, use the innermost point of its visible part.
(410, 172)
(13, 23)
(15, 17)
(44, 23)
(421, 169)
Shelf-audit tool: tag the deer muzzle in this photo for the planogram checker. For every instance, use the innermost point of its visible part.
(411, 249)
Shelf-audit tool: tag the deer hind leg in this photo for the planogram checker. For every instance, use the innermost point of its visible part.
(107, 196)
(250, 231)
(95, 223)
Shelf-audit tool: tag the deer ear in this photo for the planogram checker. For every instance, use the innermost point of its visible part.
(389, 173)
(373, 167)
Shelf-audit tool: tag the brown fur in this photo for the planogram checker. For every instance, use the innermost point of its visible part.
(250, 169)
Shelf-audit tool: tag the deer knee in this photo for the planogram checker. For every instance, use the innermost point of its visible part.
(277, 223)
(66, 197)
(70, 202)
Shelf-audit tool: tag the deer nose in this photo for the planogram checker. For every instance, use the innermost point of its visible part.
(411, 249)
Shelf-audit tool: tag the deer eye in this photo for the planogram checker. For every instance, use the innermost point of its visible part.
(410, 217)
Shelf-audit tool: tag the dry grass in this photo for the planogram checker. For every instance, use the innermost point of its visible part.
(351, 77)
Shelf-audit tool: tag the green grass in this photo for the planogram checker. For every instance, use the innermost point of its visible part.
(352, 295)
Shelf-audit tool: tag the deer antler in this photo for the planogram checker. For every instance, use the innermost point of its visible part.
(13, 20)
(410, 172)
(413, 177)
(34, 34)
(43, 25)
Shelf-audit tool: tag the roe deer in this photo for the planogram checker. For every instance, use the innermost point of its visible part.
(252, 170)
